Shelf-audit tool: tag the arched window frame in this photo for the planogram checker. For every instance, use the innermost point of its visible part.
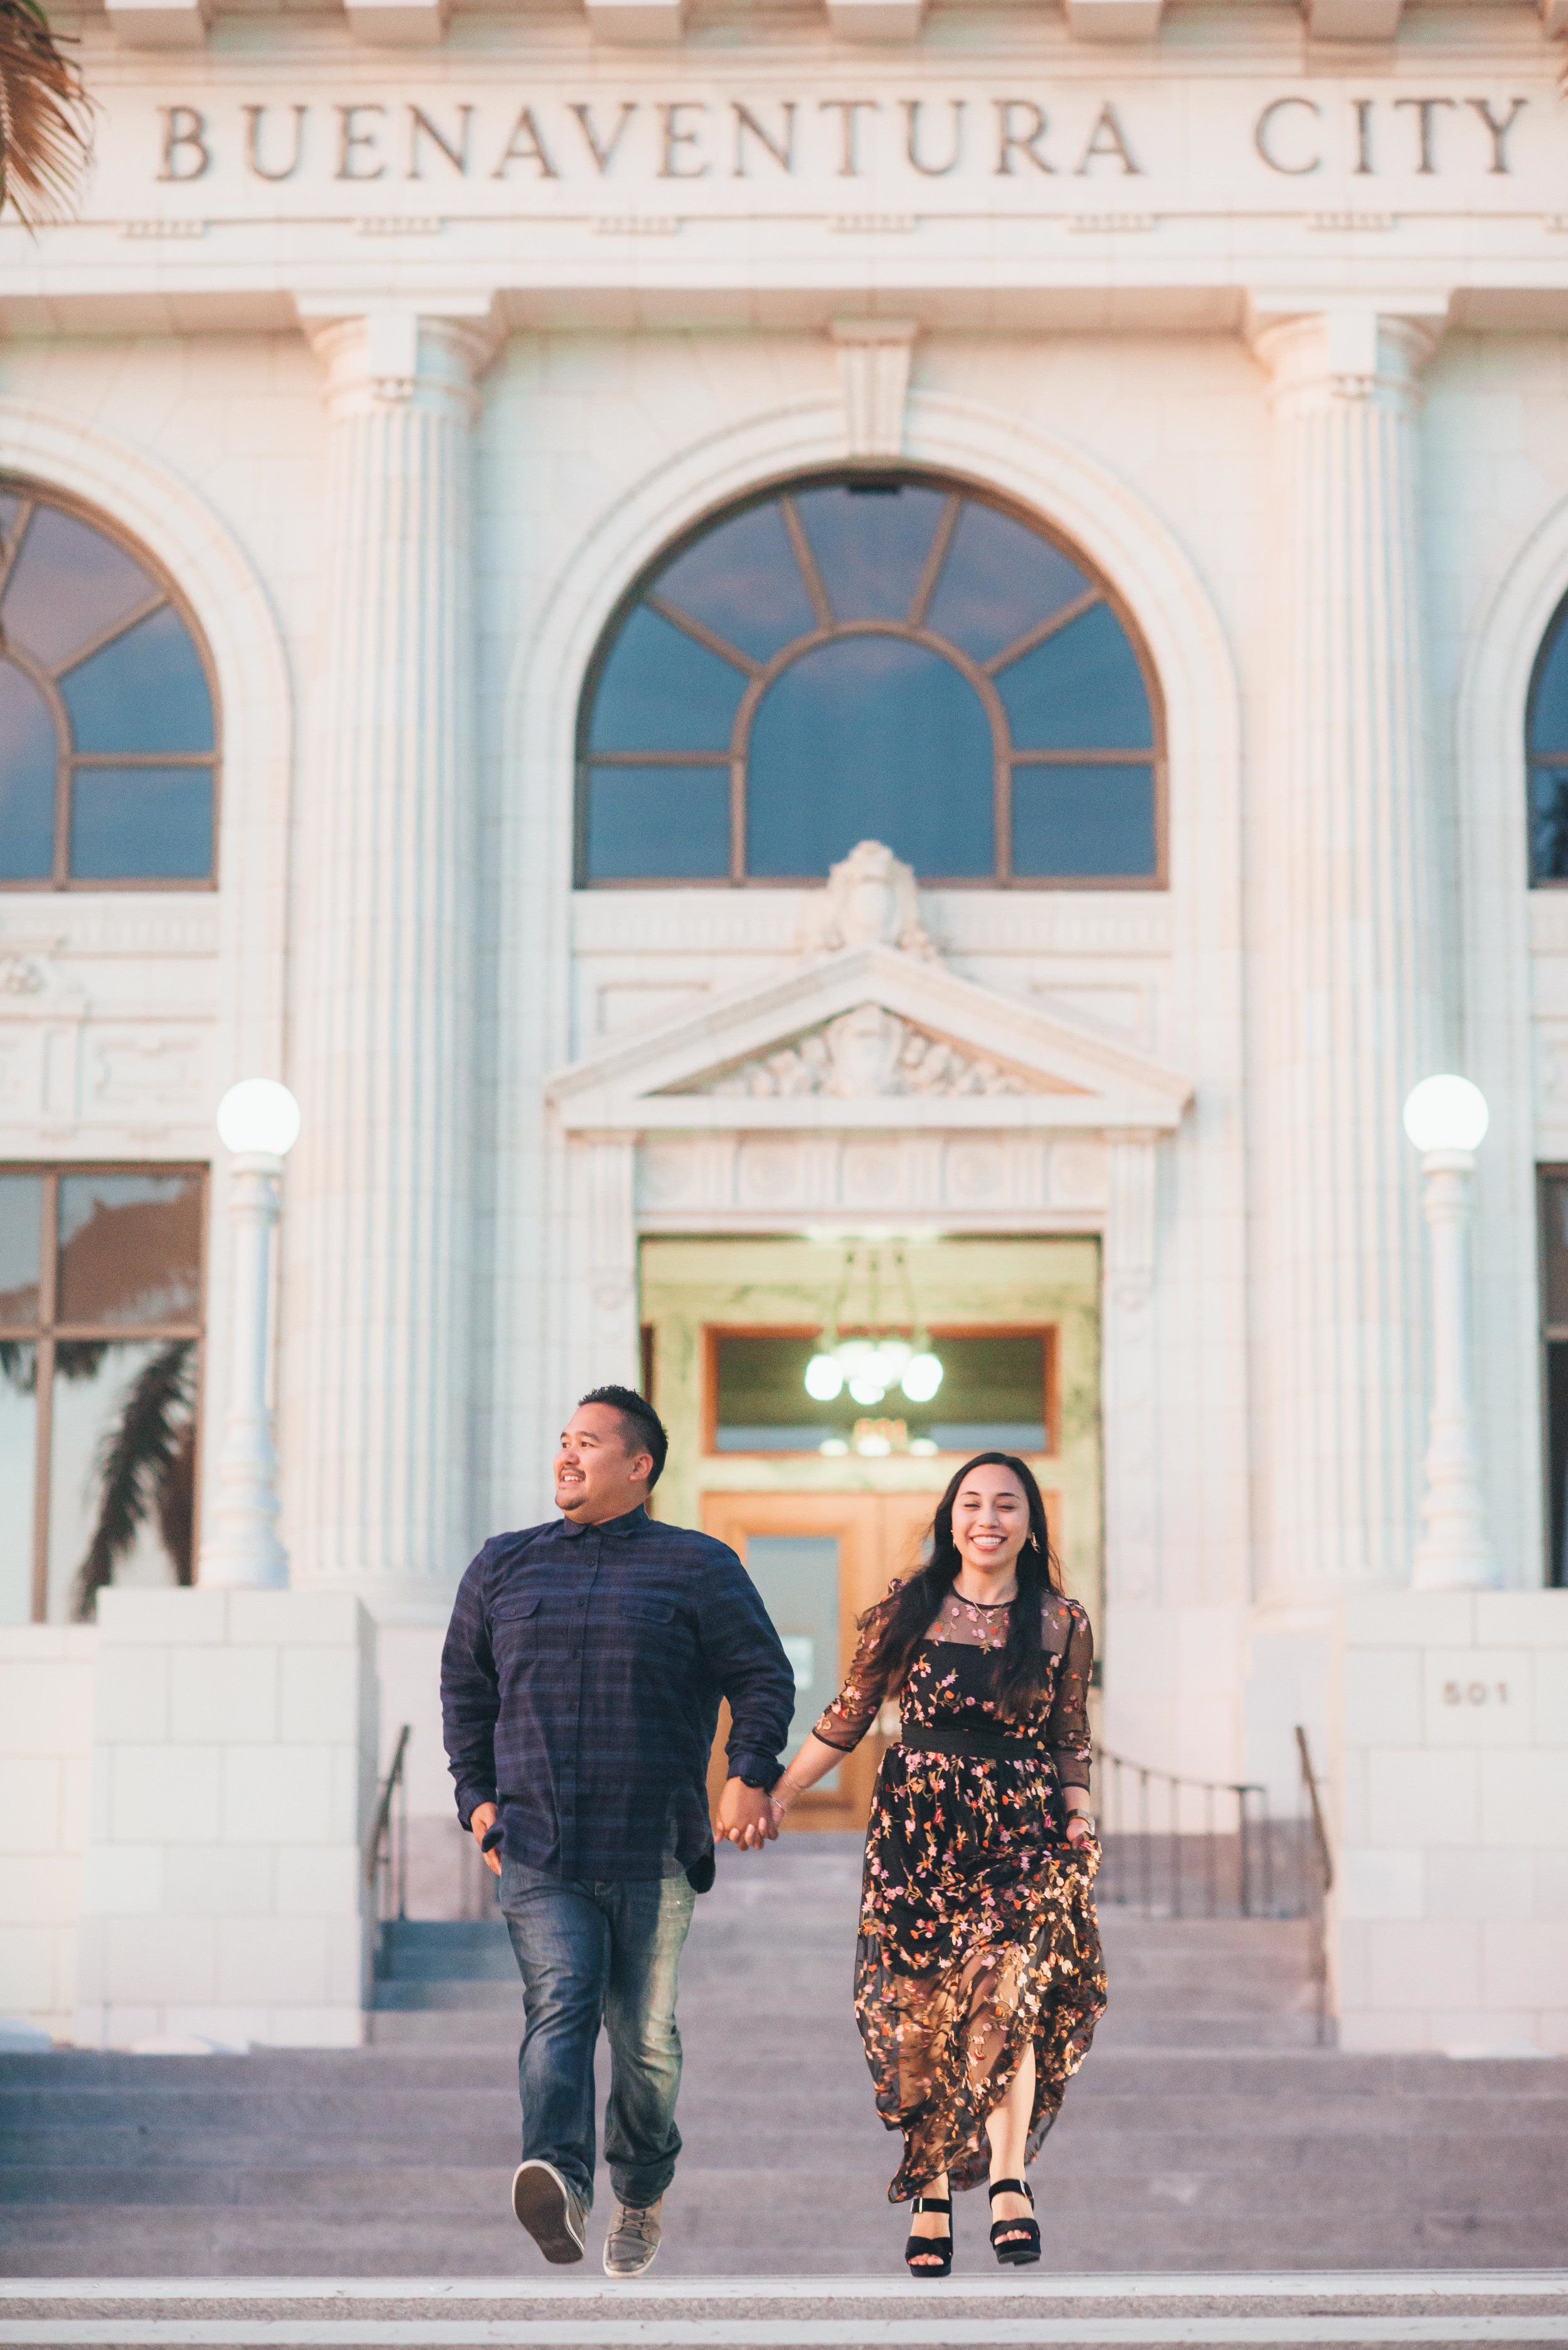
(982, 675)
(34, 494)
(1552, 758)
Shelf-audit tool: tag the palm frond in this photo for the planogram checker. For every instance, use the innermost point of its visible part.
(46, 133)
(19, 1364)
(137, 1463)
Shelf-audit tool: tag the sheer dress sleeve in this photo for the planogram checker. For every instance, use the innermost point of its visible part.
(1067, 1731)
(854, 1710)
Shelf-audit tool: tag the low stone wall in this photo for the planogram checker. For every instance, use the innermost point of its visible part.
(46, 1764)
(233, 1780)
(1449, 1919)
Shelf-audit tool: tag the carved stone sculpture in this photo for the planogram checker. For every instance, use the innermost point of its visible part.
(870, 900)
(867, 1051)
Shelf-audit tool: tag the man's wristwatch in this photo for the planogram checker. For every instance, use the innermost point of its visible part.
(763, 1786)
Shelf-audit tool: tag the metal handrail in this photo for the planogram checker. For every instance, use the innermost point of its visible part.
(1178, 1796)
(387, 1845)
(1315, 1805)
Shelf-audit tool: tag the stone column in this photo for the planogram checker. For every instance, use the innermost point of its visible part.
(1346, 954)
(380, 1222)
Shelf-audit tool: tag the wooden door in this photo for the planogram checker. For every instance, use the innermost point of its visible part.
(819, 1559)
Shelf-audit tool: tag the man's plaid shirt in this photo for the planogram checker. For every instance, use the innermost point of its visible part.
(580, 1688)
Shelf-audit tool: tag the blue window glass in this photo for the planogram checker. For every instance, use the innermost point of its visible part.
(662, 690)
(26, 779)
(870, 546)
(69, 584)
(870, 738)
(1548, 695)
(108, 731)
(1000, 581)
(1082, 689)
(141, 824)
(870, 657)
(675, 817)
(743, 581)
(1089, 821)
(145, 692)
(1548, 747)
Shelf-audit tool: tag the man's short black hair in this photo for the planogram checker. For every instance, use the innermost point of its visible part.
(642, 1427)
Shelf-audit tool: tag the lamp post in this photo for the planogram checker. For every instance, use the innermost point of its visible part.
(1446, 1118)
(258, 1121)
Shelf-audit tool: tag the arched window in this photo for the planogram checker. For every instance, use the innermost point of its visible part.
(890, 658)
(1546, 737)
(108, 740)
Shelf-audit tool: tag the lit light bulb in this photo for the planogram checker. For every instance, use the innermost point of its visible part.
(833, 1446)
(865, 1388)
(923, 1377)
(258, 1114)
(888, 1358)
(872, 1445)
(824, 1377)
(1446, 1114)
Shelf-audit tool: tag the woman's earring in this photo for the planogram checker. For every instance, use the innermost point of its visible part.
(1033, 1541)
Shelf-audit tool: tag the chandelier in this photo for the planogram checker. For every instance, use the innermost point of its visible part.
(878, 1356)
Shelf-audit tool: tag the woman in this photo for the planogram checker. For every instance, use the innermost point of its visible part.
(979, 1979)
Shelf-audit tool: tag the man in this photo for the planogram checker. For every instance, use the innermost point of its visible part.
(580, 1688)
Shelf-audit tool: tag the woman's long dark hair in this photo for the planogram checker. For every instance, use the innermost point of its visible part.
(916, 1604)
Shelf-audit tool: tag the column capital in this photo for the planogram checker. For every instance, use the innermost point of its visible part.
(387, 355)
(1350, 349)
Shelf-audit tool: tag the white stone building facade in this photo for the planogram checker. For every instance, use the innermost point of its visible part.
(399, 346)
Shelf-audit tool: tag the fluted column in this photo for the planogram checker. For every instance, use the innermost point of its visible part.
(1348, 956)
(380, 1228)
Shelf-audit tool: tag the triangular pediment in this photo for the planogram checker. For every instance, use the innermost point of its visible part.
(868, 1036)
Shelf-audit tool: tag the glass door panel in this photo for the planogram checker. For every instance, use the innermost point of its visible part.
(797, 1575)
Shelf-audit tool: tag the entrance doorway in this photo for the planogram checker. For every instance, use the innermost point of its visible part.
(825, 1510)
(819, 1561)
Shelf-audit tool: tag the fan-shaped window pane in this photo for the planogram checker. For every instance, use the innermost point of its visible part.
(870, 546)
(1082, 689)
(849, 657)
(662, 690)
(145, 692)
(1548, 747)
(676, 818)
(108, 731)
(1085, 820)
(743, 581)
(1000, 581)
(1548, 700)
(26, 779)
(136, 824)
(70, 583)
(870, 738)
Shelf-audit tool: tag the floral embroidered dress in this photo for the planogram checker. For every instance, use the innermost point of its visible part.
(978, 1932)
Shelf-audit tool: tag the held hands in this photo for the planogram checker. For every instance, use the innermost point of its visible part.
(746, 1816)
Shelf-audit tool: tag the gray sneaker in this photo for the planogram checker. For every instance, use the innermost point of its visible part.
(551, 2209)
(633, 2239)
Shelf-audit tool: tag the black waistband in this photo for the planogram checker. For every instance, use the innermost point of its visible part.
(992, 1743)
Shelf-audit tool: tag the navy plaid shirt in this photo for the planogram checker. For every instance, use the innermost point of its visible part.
(580, 1686)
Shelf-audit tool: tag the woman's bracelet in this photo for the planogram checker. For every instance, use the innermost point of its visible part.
(779, 1803)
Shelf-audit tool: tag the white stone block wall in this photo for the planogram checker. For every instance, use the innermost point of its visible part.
(1449, 1919)
(46, 1733)
(233, 1738)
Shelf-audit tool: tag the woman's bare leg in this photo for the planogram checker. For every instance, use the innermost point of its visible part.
(932, 2223)
(1007, 2128)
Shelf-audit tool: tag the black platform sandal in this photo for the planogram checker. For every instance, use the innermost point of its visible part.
(931, 2256)
(1015, 2242)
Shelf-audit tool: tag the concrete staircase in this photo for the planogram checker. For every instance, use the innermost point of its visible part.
(1207, 2132)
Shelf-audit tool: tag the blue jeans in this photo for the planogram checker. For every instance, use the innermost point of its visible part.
(588, 1953)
